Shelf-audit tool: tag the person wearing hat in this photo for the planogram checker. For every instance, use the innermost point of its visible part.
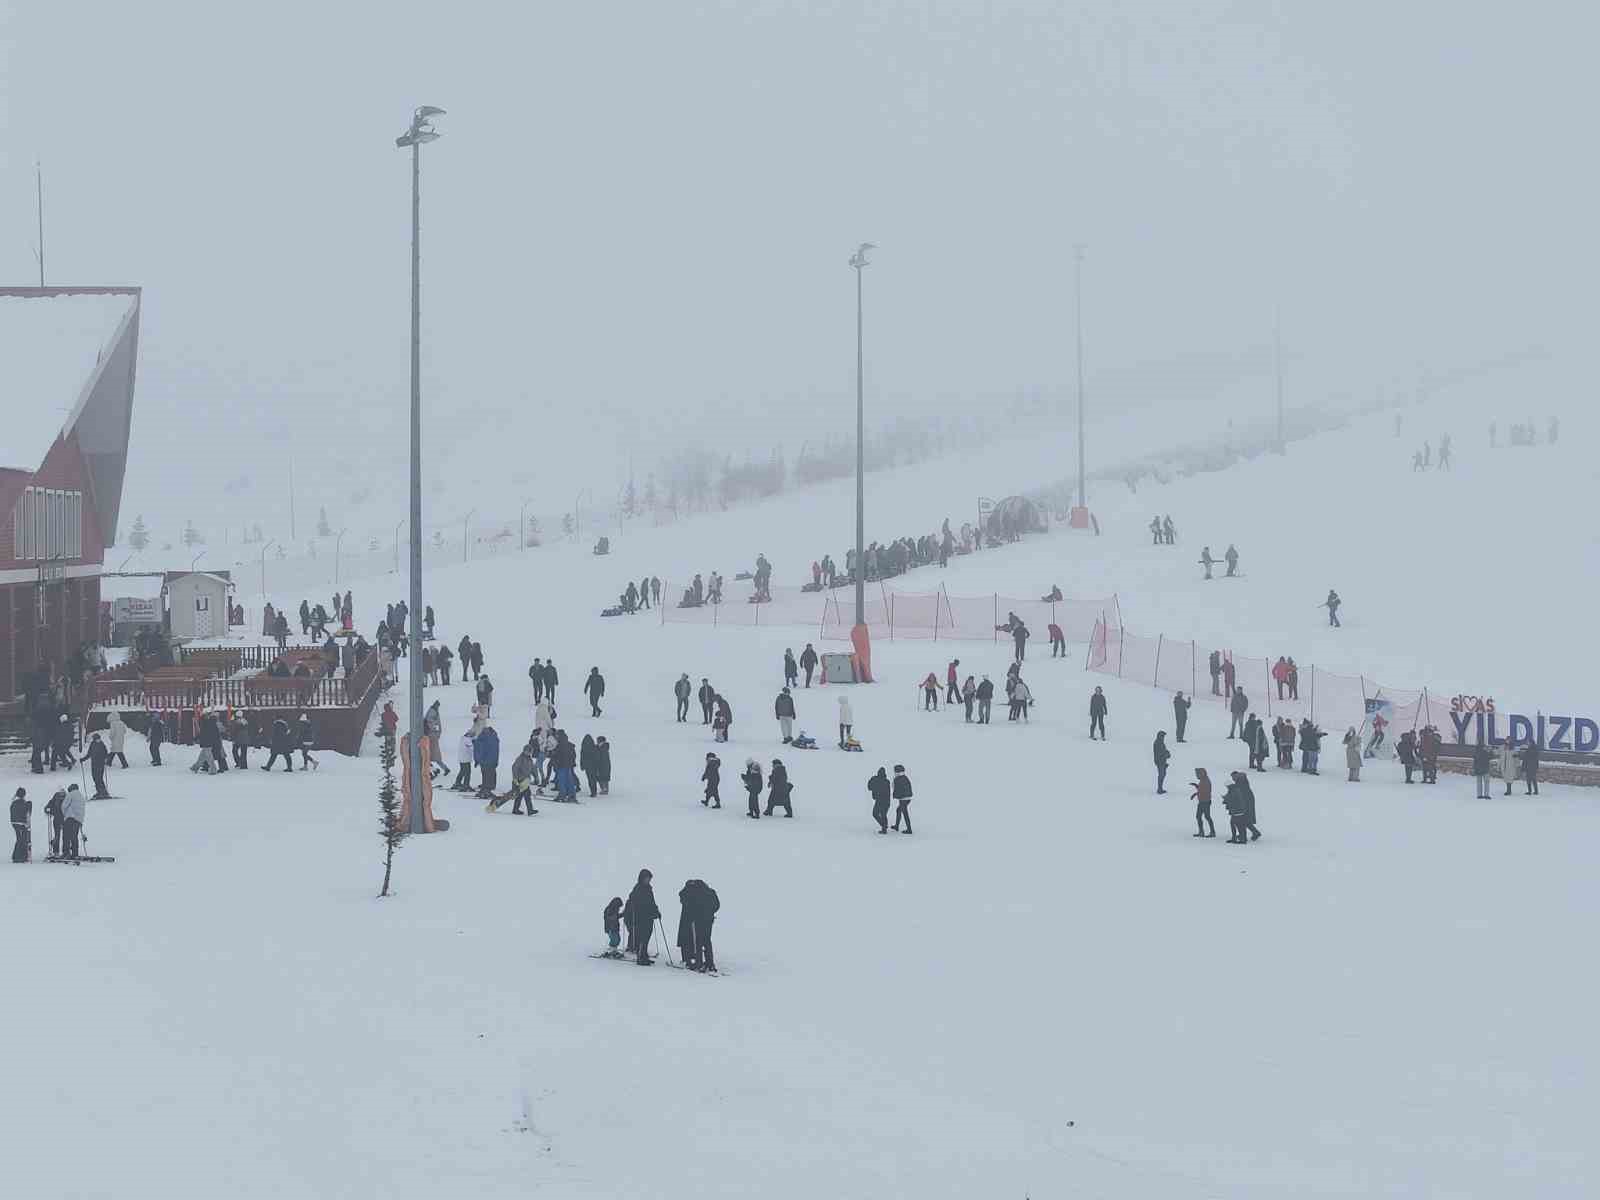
(902, 796)
(712, 778)
(640, 915)
(98, 755)
(752, 785)
(779, 789)
(239, 736)
(116, 738)
(72, 810)
(61, 743)
(21, 817)
(305, 739)
(783, 709)
(847, 720)
(878, 788)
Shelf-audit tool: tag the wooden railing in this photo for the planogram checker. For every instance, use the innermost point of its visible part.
(242, 658)
(175, 688)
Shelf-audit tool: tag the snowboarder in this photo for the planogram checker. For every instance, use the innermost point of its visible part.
(846, 721)
(878, 788)
(681, 691)
(1097, 714)
(783, 709)
(808, 662)
(594, 687)
(902, 797)
(1201, 791)
(641, 915)
(779, 789)
(1162, 757)
(752, 786)
(1180, 713)
(712, 778)
(791, 670)
(1332, 605)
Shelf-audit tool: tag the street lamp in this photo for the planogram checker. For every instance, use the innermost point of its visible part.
(264, 550)
(858, 635)
(337, 543)
(420, 132)
(193, 562)
(1083, 504)
(466, 532)
(397, 525)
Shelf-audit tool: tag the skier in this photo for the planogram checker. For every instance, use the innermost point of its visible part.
(641, 915)
(779, 789)
(700, 908)
(878, 788)
(708, 696)
(72, 813)
(712, 778)
(1231, 557)
(1162, 757)
(791, 669)
(1379, 724)
(1201, 791)
(902, 796)
(846, 721)
(594, 687)
(681, 691)
(1180, 713)
(1206, 560)
(1097, 714)
(783, 709)
(808, 662)
(1332, 605)
(22, 818)
(752, 786)
(985, 695)
(97, 755)
(486, 749)
(1237, 707)
(930, 693)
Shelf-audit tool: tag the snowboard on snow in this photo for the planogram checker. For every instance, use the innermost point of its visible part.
(82, 858)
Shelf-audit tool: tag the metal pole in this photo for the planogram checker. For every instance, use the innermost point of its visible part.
(38, 177)
(1078, 288)
(397, 525)
(466, 532)
(859, 261)
(1277, 361)
(264, 550)
(292, 534)
(415, 676)
(338, 543)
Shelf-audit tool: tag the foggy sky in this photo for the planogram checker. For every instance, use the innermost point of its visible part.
(637, 221)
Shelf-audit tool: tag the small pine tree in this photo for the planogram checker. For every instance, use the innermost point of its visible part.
(389, 812)
(139, 535)
(323, 528)
(191, 535)
(630, 500)
(567, 524)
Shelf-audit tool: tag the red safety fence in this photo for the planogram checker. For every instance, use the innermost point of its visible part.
(891, 615)
(1326, 697)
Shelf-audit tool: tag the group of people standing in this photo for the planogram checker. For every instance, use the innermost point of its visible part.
(639, 913)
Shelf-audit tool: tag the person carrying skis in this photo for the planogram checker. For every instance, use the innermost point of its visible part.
(1200, 789)
(712, 778)
(680, 691)
(1332, 605)
(808, 661)
(878, 788)
(1180, 713)
(902, 797)
(1162, 756)
(1097, 714)
(641, 915)
(752, 786)
(779, 789)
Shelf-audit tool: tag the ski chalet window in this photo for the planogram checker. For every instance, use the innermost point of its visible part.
(47, 523)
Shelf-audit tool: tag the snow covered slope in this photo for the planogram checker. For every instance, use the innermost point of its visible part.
(1050, 989)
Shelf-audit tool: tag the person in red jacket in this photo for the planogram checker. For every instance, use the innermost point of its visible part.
(952, 690)
(1058, 641)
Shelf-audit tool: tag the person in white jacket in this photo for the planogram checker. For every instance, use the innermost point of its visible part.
(463, 781)
(72, 810)
(847, 721)
(542, 720)
(117, 732)
(1509, 766)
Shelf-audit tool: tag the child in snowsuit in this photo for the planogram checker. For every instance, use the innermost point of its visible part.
(613, 923)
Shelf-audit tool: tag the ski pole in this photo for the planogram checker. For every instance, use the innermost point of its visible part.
(666, 947)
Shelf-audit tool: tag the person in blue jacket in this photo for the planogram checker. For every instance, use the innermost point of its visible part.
(486, 754)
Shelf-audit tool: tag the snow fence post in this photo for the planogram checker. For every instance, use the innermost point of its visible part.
(1194, 678)
(1155, 679)
(888, 605)
(997, 618)
(1268, 664)
(1313, 693)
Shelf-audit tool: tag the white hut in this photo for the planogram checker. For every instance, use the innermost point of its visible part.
(197, 604)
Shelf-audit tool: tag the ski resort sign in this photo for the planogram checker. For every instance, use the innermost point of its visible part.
(1478, 716)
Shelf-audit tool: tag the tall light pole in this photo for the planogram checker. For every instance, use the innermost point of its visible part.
(264, 550)
(421, 131)
(858, 261)
(1077, 252)
(1277, 366)
(397, 525)
(466, 532)
(522, 526)
(338, 543)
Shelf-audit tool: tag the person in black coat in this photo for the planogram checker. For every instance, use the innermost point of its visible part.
(902, 796)
(708, 697)
(640, 914)
(1097, 714)
(791, 670)
(602, 764)
(1530, 767)
(1162, 756)
(808, 662)
(712, 778)
(1252, 730)
(680, 692)
(1180, 713)
(551, 679)
(98, 755)
(586, 764)
(1481, 759)
(594, 687)
(752, 785)
(61, 743)
(878, 788)
(211, 739)
(280, 744)
(21, 819)
(779, 789)
(156, 734)
(700, 907)
(305, 738)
